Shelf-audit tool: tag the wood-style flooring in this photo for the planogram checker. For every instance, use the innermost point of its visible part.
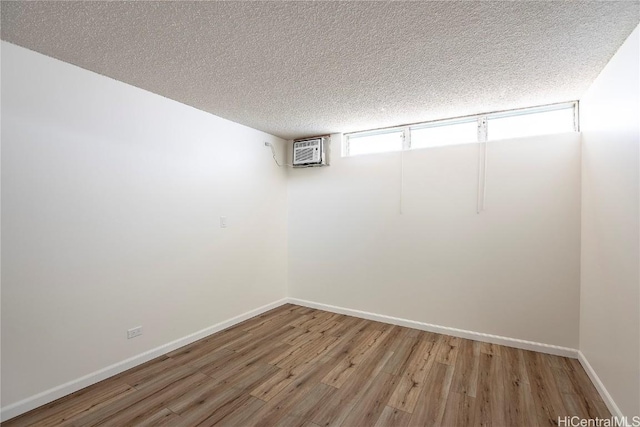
(295, 366)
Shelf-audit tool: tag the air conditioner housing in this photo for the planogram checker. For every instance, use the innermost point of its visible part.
(309, 152)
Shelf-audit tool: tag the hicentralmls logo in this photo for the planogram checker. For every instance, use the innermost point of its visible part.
(576, 421)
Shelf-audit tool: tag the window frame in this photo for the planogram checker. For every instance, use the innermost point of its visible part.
(483, 123)
(374, 132)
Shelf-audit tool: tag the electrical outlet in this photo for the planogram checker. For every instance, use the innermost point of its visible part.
(134, 332)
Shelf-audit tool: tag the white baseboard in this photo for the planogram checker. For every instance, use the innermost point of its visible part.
(477, 336)
(608, 400)
(52, 394)
(62, 390)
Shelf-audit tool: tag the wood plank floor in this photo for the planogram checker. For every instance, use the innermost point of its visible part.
(295, 366)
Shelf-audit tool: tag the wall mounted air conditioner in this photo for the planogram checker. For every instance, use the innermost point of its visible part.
(310, 152)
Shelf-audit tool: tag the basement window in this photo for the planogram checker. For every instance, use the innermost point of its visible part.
(519, 124)
(374, 142)
(550, 119)
(439, 134)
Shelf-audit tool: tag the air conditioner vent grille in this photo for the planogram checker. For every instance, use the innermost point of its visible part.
(304, 155)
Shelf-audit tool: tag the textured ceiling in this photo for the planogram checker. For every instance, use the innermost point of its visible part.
(297, 69)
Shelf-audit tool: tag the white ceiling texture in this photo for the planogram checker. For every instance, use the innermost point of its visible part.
(296, 69)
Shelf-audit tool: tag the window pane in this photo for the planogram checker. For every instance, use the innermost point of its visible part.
(542, 123)
(438, 135)
(376, 143)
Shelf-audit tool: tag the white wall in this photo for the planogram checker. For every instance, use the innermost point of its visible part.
(610, 286)
(511, 271)
(111, 198)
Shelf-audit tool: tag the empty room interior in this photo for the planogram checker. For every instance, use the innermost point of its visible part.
(320, 213)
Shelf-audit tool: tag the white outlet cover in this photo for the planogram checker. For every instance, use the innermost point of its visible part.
(134, 332)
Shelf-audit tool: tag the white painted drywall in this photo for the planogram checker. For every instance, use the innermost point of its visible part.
(111, 198)
(610, 265)
(512, 271)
